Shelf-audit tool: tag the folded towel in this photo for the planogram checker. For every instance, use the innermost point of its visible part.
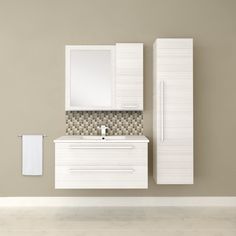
(32, 154)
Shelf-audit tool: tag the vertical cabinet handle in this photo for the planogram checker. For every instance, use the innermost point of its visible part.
(162, 87)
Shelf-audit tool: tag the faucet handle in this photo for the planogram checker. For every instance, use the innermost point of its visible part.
(103, 127)
(106, 127)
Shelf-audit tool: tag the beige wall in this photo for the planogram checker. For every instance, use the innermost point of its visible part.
(33, 34)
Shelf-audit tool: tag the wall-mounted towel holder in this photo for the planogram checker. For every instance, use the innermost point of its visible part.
(20, 135)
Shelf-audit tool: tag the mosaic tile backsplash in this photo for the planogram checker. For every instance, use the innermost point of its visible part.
(119, 122)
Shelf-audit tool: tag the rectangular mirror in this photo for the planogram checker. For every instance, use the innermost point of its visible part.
(90, 77)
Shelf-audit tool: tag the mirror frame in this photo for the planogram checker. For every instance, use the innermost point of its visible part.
(68, 50)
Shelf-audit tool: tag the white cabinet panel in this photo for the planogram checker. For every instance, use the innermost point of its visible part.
(101, 177)
(174, 52)
(173, 111)
(175, 43)
(175, 163)
(101, 154)
(129, 76)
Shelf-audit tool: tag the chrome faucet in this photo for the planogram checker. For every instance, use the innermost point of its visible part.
(103, 129)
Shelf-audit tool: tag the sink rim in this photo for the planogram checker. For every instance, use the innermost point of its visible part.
(97, 137)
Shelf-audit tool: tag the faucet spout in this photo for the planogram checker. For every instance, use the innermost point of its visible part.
(103, 129)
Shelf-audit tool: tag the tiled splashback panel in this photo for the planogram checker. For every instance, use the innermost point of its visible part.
(119, 122)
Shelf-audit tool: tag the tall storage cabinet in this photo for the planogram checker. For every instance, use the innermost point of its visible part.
(173, 111)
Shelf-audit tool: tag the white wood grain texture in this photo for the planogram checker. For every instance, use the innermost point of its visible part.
(174, 52)
(155, 111)
(65, 155)
(175, 164)
(93, 177)
(175, 43)
(117, 144)
(101, 165)
(129, 76)
(173, 111)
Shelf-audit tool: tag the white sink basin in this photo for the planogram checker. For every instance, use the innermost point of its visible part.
(103, 137)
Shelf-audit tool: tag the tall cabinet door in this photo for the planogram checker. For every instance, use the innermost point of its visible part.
(129, 76)
(173, 111)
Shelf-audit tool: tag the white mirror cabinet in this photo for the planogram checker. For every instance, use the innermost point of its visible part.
(104, 77)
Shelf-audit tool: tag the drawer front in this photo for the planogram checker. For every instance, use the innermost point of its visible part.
(97, 154)
(100, 177)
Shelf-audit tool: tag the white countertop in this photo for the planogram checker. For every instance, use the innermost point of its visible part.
(107, 139)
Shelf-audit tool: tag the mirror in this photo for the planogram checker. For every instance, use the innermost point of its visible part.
(91, 73)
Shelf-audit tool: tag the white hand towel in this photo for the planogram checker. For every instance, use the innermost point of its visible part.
(32, 154)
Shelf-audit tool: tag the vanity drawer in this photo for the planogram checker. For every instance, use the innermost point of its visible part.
(99, 154)
(99, 177)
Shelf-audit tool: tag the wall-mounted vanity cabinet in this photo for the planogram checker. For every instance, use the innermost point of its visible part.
(104, 77)
(90, 162)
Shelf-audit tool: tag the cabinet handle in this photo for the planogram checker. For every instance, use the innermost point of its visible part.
(74, 170)
(162, 110)
(129, 106)
(105, 147)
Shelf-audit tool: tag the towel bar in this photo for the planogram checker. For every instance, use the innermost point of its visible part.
(20, 136)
